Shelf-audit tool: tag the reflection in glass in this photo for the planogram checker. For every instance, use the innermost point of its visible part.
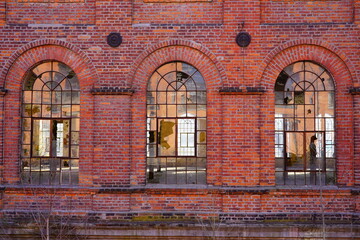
(304, 125)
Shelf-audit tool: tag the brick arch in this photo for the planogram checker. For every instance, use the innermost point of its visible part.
(177, 50)
(49, 49)
(343, 80)
(16, 68)
(45, 49)
(315, 50)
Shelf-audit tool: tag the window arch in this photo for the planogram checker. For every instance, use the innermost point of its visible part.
(176, 125)
(305, 125)
(50, 125)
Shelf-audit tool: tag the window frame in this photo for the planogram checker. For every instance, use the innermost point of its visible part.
(50, 92)
(313, 119)
(159, 108)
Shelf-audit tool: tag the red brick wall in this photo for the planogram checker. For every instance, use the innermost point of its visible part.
(50, 12)
(240, 134)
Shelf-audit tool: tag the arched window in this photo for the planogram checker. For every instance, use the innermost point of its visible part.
(176, 125)
(304, 125)
(50, 125)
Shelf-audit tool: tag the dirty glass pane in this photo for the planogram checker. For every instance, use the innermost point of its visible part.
(167, 137)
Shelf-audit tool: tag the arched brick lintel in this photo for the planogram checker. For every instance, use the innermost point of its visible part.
(42, 50)
(177, 50)
(323, 53)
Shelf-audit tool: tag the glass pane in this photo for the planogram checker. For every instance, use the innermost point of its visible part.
(325, 104)
(46, 111)
(35, 164)
(27, 97)
(310, 124)
(201, 164)
(75, 151)
(201, 97)
(61, 134)
(151, 97)
(171, 79)
(25, 150)
(186, 137)
(163, 86)
(181, 110)
(39, 86)
(151, 150)
(171, 110)
(75, 138)
(167, 138)
(41, 138)
(65, 177)
(161, 111)
(169, 168)
(66, 97)
(201, 137)
(56, 97)
(295, 151)
(66, 111)
(185, 68)
(56, 111)
(151, 110)
(327, 81)
(201, 150)
(152, 84)
(75, 111)
(201, 124)
(171, 97)
(330, 178)
(191, 111)
(190, 85)
(181, 97)
(75, 124)
(181, 170)
(201, 110)
(65, 85)
(35, 177)
(75, 97)
(191, 97)
(26, 124)
(26, 137)
(201, 177)
(74, 165)
(161, 97)
(199, 81)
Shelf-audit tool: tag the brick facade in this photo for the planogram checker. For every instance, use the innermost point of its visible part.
(241, 198)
